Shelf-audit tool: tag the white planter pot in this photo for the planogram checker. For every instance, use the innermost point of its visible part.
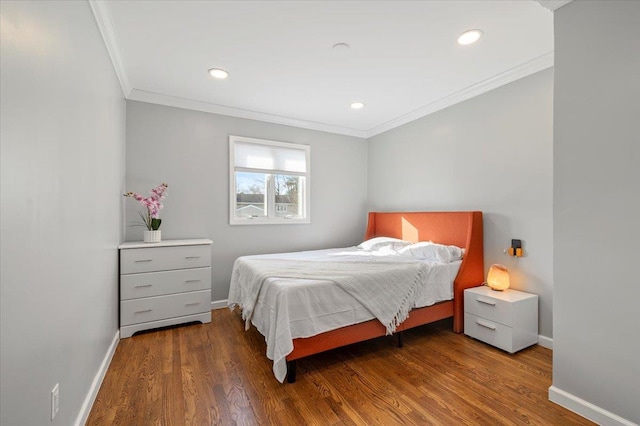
(152, 236)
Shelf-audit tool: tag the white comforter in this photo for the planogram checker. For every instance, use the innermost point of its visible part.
(286, 308)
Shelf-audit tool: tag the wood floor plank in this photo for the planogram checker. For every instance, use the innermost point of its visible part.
(218, 373)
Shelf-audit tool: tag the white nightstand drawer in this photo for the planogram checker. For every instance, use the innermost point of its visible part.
(164, 258)
(491, 332)
(488, 307)
(159, 307)
(146, 284)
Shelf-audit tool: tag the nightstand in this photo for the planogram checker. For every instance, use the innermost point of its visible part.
(164, 284)
(505, 319)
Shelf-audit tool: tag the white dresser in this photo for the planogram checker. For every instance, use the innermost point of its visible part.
(505, 319)
(164, 284)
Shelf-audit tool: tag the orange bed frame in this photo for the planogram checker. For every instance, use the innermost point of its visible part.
(462, 229)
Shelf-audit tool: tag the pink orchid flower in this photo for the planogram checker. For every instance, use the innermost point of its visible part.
(153, 205)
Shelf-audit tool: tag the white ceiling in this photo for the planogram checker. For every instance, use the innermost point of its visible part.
(403, 63)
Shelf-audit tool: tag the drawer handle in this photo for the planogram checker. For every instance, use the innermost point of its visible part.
(192, 257)
(489, 326)
(192, 304)
(192, 281)
(142, 286)
(142, 312)
(486, 302)
(143, 260)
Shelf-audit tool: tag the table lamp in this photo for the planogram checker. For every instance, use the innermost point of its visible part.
(498, 277)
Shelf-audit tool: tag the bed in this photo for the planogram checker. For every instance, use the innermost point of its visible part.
(301, 315)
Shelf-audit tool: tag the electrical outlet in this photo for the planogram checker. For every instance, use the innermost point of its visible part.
(55, 400)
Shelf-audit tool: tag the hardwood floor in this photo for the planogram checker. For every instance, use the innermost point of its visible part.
(218, 374)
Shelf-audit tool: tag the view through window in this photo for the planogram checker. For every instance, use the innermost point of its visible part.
(269, 181)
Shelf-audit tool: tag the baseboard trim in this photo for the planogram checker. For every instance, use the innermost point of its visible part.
(585, 408)
(83, 415)
(219, 304)
(545, 342)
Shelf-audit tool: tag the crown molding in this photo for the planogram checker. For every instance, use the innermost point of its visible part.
(105, 24)
(533, 66)
(552, 5)
(172, 101)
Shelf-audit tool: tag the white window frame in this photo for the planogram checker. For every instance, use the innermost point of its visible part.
(270, 219)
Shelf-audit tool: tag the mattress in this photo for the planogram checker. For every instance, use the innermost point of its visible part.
(292, 308)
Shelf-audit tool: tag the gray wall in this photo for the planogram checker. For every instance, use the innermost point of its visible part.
(596, 205)
(189, 150)
(491, 153)
(62, 156)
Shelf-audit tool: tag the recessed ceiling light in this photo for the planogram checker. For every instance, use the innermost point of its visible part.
(218, 73)
(357, 105)
(341, 46)
(469, 37)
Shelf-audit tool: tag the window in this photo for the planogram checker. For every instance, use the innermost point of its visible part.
(269, 182)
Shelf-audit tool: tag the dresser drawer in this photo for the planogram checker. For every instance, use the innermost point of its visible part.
(146, 284)
(491, 308)
(160, 307)
(164, 258)
(490, 332)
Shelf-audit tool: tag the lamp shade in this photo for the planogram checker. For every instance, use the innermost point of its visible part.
(498, 277)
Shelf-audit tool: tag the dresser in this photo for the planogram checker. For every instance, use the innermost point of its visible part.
(164, 283)
(505, 319)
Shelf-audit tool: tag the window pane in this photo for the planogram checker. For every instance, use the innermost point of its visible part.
(288, 191)
(269, 181)
(250, 194)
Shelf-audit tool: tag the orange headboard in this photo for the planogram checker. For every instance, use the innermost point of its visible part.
(462, 229)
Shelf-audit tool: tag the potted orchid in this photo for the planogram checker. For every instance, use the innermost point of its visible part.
(151, 217)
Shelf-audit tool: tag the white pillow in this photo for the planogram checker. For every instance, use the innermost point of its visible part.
(431, 251)
(379, 243)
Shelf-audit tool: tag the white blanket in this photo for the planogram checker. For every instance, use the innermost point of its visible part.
(387, 289)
